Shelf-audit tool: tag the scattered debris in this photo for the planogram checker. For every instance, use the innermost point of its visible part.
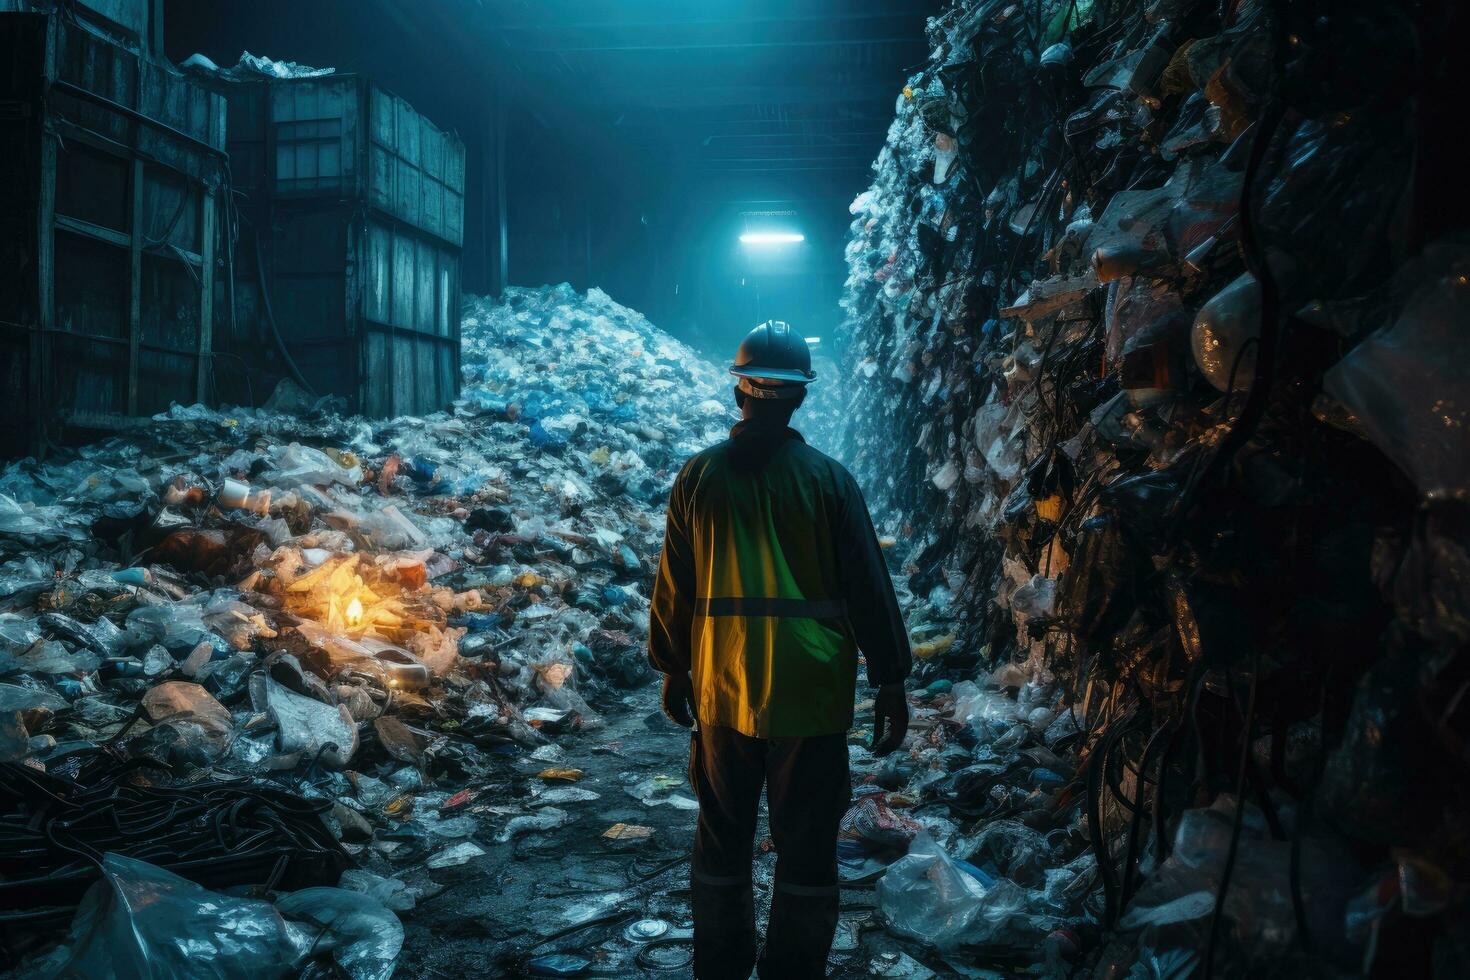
(304, 642)
(627, 831)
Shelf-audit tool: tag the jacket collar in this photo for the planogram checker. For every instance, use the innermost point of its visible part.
(746, 425)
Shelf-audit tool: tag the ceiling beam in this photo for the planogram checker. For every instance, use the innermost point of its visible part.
(853, 159)
(602, 25)
(805, 151)
(793, 137)
(850, 168)
(842, 42)
(717, 96)
(837, 123)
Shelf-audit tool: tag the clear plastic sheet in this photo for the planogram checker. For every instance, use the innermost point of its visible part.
(1407, 383)
(926, 896)
(362, 936)
(141, 921)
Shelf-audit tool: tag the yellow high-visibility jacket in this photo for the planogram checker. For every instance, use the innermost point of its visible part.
(770, 582)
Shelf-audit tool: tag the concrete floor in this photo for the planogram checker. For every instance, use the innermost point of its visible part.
(572, 891)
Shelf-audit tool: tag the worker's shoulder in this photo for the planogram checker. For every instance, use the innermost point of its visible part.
(707, 455)
(797, 453)
(702, 460)
(814, 459)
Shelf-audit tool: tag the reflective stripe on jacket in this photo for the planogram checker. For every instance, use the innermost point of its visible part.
(770, 581)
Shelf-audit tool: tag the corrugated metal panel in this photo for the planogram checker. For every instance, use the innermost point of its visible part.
(131, 15)
(405, 401)
(416, 170)
(411, 283)
(314, 130)
(363, 199)
(377, 398)
(22, 50)
(124, 20)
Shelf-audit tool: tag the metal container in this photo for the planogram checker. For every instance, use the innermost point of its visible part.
(135, 24)
(352, 221)
(110, 186)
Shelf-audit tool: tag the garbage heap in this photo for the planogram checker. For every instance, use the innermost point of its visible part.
(1162, 397)
(252, 648)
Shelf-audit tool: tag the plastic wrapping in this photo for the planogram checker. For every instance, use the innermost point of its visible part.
(294, 465)
(363, 936)
(1012, 849)
(192, 711)
(322, 732)
(1225, 333)
(141, 921)
(874, 823)
(973, 704)
(1407, 383)
(926, 896)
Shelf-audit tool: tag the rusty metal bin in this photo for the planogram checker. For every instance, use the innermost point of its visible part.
(351, 224)
(110, 186)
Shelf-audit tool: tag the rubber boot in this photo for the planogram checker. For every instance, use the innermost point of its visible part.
(799, 935)
(724, 930)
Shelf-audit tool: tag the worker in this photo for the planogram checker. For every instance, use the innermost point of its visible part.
(771, 582)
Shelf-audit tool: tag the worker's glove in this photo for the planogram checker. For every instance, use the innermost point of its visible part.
(890, 719)
(679, 699)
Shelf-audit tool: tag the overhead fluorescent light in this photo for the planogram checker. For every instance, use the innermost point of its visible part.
(771, 238)
(813, 341)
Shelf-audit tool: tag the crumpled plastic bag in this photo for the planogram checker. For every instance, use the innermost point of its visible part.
(362, 935)
(878, 825)
(325, 732)
(1016, 850)
(926, 896)
(1258, 908)
(176, 625)
(1036, 599)
(972, 703)
(141, 922)
(1149, 230)
(33, 525)
(392, 893)
(1407, 383)
(554, 678)
(389, 529)
(296, 465)
(192, 710)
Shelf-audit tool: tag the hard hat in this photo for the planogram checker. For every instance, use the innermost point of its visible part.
(773, 362)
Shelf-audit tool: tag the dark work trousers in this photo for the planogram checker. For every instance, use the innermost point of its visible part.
(808, 791)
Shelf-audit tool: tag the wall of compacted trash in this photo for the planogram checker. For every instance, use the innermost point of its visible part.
(1163, 402)
(244, 647)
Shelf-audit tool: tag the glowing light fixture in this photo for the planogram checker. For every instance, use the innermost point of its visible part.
(771, 238)
(813, 341)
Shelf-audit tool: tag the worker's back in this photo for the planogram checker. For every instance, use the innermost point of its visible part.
(773, 655)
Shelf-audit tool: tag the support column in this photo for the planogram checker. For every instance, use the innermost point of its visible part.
(501, 277)
(135, 282)
(205, 376)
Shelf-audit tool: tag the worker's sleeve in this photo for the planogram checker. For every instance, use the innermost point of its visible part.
(872, 608)
(671, 611)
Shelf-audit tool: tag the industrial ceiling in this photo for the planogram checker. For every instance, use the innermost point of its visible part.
(799, 89)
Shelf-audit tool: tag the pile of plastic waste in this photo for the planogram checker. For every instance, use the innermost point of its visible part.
(253, 67)
(254, 649)
(1159, 391)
